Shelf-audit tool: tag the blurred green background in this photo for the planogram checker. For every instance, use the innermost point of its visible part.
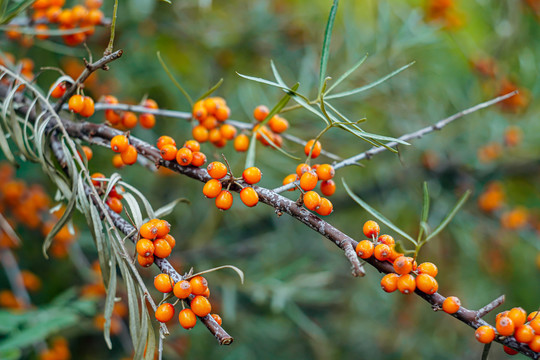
(299, 299)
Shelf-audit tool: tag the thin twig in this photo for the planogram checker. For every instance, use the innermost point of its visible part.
(489, 307)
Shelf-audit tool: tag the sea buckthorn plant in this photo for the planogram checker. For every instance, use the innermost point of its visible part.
(147, 120)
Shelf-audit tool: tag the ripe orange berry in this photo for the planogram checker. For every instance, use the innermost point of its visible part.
(94, 17)
(112, 116)
(119, 143)
(217, 318)
(518, 316)
(170, 239)
(427, 284)
(199, 111)
(222, 113)
(41, 31)
(505, 326)
(534, 344)
(312, 200)
(316, 148)
(76, 103)
(97, 176)
(88, 108)
(184, 156)
(182, 289)
(129, 156)
(59, 90)
(535, 323)
(278, 124)
(325, 172)
(241, 143)
(206, 293)
(164, 312)
(382, 252)
(371, 229)
(249, 196)
(217, 170)
(403, 265)
(302, 168)
(117, 161)
(524, 333)
(200, 133)
(364, 249)
(115, 204)
(387, 239)
(260, 112)
(533, 315)
(451, 305)
(389, 282)
(187, 318)
(325, 207)
(145, 261)
(147, 120)
(163, 227)
(168, 152)
(87, 152)
(290, 179)
(145, 247)
(485, 334)
(308, 181)
(148, 230)
(509, 351)
(163, 283)
(162, 248)
(211, 123)
(252, 175)
(224, 200)
(328, 187)
(406, 283)
(151, 104)
(428, 268)
(165, 140)
(129, 119)
(199, 159)
(78, 12)
(201, 306)
(212, 188)
(199, 285)
(192, 145)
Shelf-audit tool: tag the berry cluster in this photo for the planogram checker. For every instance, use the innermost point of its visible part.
(211, 114)
(155, 241)
(25, 65)
(115, 195)
(276, 125)
(195, 290)
(82, 105)
(57, 351)
(189, 154)
(213, 188)
(128, 119)
(48, 12)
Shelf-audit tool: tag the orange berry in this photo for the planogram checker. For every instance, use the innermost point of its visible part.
(147, 120)
(394, 254)
(290, 179)
(59, 90)
(94, 17)
(382, 252)
(199, 111)
(260, 112)
(325, 172)
(212, 188)
(505, 326)
(164, 312)
(389, 282)
(533, 315)
(206, 293)
(168, 152)
(148, 230)
(182, 289)
(387, 239)
(302, 168)
(451, 305)
(211, 123)
(200, 133)
(187, 318)
(364, 249)
(241, 143)
(117, 161)
(199, 159)
(328, 187)
(151, 104)
(165, 140)
(518, 316)
(65, 17)
(535, 323)
(312, 200)
(316, 148)
(227, 131)
(162, 248)
(214, 136)
(184, 156)
(278, 124)
(112, 116)
(308, 181)
(129, 156)
(428, 268)
(217, 170)
(252, 175)
(224, 200)
(119, 143)
(110, 99)
(170, 239)
(192, 145)
(222, 113)
(76, 103)
(145, 247)
(145, 261)
(427, 284)
(163, 227)
(199, 285)
(406, 283)
(371, 229)
(524, 333)
(97, 176)
(217, 318)
(78, 12)
(129, 119)
(87, 152)
(509, 351)
(534, 344)
(485, 334)
(403, 265)
(115, 204)
(93, 4)
(325, 207)
(163, 283)
(210, 104)
(201, 306)
(249, 196)
(41, 31)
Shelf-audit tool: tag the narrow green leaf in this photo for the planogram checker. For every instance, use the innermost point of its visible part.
(263, 81)
(175, 82)
(425, 207)
(326, 44)
(237, 270)
(276, 74)
(143, 331)
(109, 303)
(305, 104)
(168, 208)
(133, 304)
(146, 203)
(485, 352)
(101, 244)
(150, 340)
(211, 90)
(346, 74)
(113, 179)
(278, 148)
(15, 10)
(134, 209)
(369, 86)
(450, 216)
(250, 156)
(376, 214)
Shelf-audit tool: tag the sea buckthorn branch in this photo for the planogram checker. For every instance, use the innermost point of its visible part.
(489, 307)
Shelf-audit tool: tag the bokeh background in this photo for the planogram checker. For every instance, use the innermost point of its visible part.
(299, 299)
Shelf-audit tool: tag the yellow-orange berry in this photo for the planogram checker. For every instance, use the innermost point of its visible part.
(168, 152)
(119, 143)
(184, 156)
(365, 249)
(249, 196)
(302, 168)
(278, 124)
(403, 265)
(59, 90)
(164, 312)
(165, 140)
(505, 326)
(427, 284)
(371, 229)
(535, 324)
(162, 248)
(199, 285)
(406, 283)
(182, 289)
(87, 152)
(217, 170)
(382, 252)
(192, 145)
(170, 239)
(484, 334)
(387, 239)
(518, 316)
(147, 120)
(117, 161)
(217, 318)
(389, 282)
(129, 156)
(328, 187)
(533, 315)
(112, 116)
(451, 305)
(325, 207)
(187, 318)
(76, 103)
(200, 133)
(199, 111)
(428, 268)
(222, 113)
(312, 200)
(201, 306)
(151, 104)
(212, 188)
(199, 159)
(308, 181)
(129, 119)
(316, 148)
(145, 261)
(325, 172)
(252, 175)
(290, 179)
(88, 107)
(145, 247)
(260, 112)
(115, 204)
(241, 143)
(163, 283)
(163, 228)
(148, 230)
(534, 344)
(524, 333)
(224, 200)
